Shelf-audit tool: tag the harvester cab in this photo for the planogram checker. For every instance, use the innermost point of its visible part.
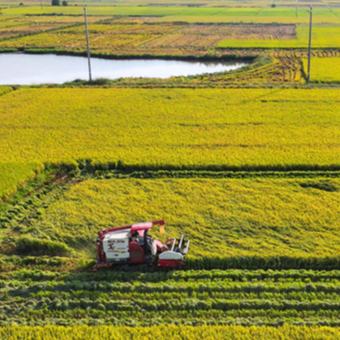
(132, 244)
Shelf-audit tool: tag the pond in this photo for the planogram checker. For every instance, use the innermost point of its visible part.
(29, 69)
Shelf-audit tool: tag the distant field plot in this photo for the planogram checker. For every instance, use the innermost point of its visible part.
(324, 36)
(190, 3)
(105, 38)
(18, 27)
(324, 69)
(166, 30)
(131, 36)
(24, 26)
(138, 38)
(193, 14)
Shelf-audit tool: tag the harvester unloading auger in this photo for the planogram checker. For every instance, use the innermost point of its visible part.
(131, 244)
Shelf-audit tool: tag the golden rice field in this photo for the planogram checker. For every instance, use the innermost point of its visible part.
(145, 37)
(14, 27)
(171, 127)
(222, 217)
(192, 14)
(160, 30)
(163, 332)
(324, 69)
(14, 175)
(245, 164)
(18, 26)
(268, 125)
(203, 3)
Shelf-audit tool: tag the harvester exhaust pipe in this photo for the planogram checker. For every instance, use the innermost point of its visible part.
(186, 249)
(181, 242)
(173, 245)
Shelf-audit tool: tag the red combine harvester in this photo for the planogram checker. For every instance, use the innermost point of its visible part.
(131, 244)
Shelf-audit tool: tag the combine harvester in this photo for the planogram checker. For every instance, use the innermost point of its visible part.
(131, 244)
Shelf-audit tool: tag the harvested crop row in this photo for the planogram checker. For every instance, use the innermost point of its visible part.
(107, 298)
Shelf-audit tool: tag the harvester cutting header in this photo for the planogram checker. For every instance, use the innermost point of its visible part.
(132, 244)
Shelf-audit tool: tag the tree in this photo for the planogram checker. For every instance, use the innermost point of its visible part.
(55, 3)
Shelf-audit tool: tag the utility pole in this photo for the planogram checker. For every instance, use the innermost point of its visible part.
(296, 8)
(310, 42)
(87, 44)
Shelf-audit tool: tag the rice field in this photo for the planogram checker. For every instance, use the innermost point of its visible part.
(187, 332)
(245, 164)
(192, 14)
(224, 218)
(221, 128)
(145, 37)
(324, 36)
(324, 69)
(183, 31)
(13, 175)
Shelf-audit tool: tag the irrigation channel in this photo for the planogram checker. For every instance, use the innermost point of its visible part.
(33, 69)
